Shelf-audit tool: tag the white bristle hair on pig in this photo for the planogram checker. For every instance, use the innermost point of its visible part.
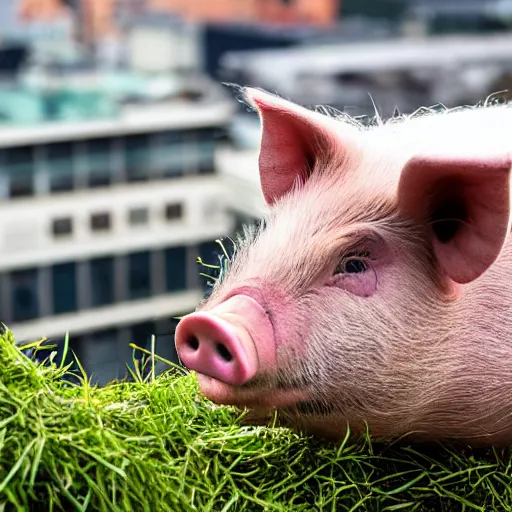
(378, 292)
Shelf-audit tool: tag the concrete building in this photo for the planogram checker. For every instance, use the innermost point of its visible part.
(403, 73)
(237, 164)
(98, 19)
(102, 221)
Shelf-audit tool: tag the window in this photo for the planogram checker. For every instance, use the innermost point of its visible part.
(100, 221)
(176, 269)
(168, 154)
(19, 165)
(62, 226)
(102, 281)
(139, 280)
(138, 216)
(59, 161)
(24, 288)
(98, 153)
(173, 211)
(137, 157)
(64, 288)
(206, 148)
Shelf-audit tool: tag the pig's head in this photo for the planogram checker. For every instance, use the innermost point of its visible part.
(335, 310)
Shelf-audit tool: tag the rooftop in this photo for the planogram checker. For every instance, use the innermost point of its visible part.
(271, 65)
(79, 94)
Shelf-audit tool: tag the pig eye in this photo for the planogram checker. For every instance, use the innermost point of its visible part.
(352, 264)
(355, 266)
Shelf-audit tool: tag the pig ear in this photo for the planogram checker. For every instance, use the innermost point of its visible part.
(292, 139)
(466, 203)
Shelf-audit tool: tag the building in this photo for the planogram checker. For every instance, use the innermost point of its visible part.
(237, 164)
(179, 44)
(403, 73)
(453, 16)
(98, 19)
(102, 221)
(312, 12)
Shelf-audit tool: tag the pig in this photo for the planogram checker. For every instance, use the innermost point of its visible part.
(377, 294)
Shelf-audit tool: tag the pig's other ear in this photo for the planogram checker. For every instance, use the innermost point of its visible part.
(466, 205)
(292, 139)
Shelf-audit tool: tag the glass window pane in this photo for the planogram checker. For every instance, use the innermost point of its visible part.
(102, 281)
(138, 216)
(59, 162)
(168, 154)
(176, 269)
(136, 150)
(64, 288)
(62, 226)
(173, 211)
(206, 150)
(24, 288)
(98, 155)
(139, 280)
(100, 221)
(19, 166)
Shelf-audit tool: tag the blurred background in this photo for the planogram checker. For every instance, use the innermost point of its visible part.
(123, 157)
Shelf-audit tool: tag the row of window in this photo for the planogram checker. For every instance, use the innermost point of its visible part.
(102, 221)
(66, 166)
(72, 286)
(68, 287)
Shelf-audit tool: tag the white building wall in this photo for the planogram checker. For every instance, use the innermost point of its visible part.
(26, 237)
(238, 169)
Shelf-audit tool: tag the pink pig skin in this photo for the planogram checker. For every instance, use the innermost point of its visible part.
(379, 292)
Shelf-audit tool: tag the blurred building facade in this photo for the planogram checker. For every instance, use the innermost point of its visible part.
(400, 73)
(108, 193)
(99, 18)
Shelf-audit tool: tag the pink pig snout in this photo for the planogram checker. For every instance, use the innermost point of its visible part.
(231, 343)
(209, 345)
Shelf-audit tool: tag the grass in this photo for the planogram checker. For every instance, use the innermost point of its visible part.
(153, 444)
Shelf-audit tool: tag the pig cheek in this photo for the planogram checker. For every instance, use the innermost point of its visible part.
(362, 285)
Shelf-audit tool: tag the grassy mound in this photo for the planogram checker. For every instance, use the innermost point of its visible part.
(155, 445)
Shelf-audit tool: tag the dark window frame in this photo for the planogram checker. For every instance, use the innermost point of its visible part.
(102, 271)
(100, 221)
(70, 302)
(174, 257)
(23, 277)
(62, 227)
(60, 181)
(139, 275)
(173, 211)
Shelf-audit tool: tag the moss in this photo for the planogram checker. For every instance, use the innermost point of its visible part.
(153, 444)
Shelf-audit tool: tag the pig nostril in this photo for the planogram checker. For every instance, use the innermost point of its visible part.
(224, 352)
(193, 343)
